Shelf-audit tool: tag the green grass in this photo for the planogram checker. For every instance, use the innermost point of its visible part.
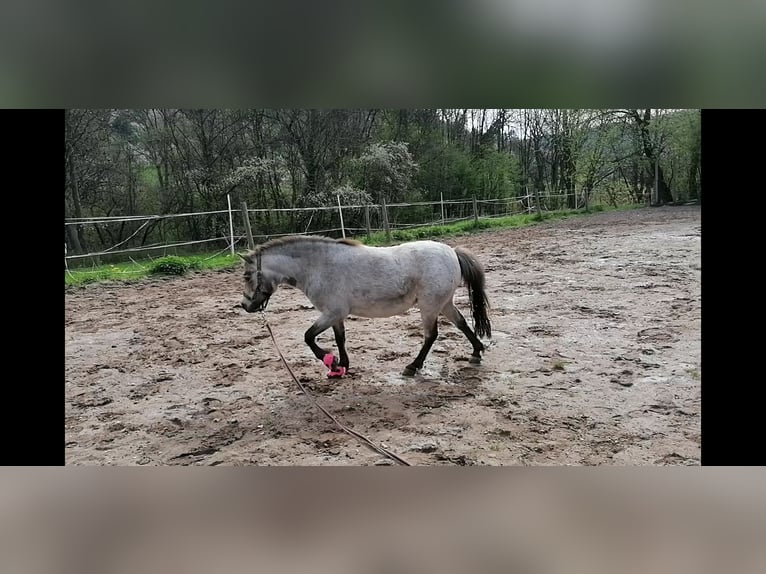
(132, 271)
(136, 270)
(466, 227)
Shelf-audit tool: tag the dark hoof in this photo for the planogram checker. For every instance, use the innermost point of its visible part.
(409, 371)
(475, 360)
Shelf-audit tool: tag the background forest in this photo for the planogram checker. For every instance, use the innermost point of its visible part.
(176, 161)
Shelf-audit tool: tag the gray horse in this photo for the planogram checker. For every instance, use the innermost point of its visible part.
(344, 277)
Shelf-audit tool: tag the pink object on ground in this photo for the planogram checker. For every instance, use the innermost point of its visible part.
(328, 361)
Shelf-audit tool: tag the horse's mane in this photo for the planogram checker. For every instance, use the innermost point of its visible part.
(291, 239)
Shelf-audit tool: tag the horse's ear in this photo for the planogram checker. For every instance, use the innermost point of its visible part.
(246, 258)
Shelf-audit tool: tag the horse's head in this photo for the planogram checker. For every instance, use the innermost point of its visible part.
(258, 284)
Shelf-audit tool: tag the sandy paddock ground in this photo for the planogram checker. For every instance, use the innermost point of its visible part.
(595, 359)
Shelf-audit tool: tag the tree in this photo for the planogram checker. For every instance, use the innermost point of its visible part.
(322, 142)
(386, 170)
(652, 139)
(695, 149)
(164, 161)
(86, 166)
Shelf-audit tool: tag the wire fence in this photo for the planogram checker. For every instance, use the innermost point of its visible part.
(110, 239)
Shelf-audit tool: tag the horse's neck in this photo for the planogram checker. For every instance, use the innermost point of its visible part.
(283, 264)
(295, 261)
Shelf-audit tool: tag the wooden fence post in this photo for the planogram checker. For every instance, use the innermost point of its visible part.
(340, 212)
(537, 204)
(441, 195)
(66, 263)
(385, 220)
(231, 223)
(246, 217)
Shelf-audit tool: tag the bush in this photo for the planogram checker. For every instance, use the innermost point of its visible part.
(172, 265)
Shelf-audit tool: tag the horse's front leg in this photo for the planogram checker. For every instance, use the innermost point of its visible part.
(339, 329)
(319, 326)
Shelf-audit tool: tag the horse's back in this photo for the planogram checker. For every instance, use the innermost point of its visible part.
(390, 280)
(426, 249)
(436, 266)
(406, 262)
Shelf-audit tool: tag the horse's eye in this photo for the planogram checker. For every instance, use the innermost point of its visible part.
(247, 276)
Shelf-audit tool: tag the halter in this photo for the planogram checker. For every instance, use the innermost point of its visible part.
(258, 273)
(259, 280)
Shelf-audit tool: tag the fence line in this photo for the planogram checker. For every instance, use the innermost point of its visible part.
(147, 248)
(526, 202)
(131, 236)
(123, 218)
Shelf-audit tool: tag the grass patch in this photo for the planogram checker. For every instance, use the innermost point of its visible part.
(470, 226)
(132, 270)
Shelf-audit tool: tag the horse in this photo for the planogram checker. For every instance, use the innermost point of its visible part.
(341, 277)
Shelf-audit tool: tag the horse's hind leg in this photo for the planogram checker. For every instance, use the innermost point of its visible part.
(453, 314)
(430, 332)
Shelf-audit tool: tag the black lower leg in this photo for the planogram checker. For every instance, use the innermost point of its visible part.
(430, 336)
(310, 338)
(478, 347)
(340, 339)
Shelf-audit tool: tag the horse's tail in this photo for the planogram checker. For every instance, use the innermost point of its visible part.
(473, 275)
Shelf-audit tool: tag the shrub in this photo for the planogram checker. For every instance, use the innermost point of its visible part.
(172, 265)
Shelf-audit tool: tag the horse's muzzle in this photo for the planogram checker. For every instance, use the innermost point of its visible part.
(253, 305)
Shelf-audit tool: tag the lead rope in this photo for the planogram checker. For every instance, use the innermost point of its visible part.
(344, 428)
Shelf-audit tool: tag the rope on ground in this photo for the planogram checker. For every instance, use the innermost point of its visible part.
(344, 428)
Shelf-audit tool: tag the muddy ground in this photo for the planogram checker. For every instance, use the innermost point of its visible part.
(595, 360)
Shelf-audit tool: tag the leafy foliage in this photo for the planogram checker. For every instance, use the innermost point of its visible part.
(171, 161)
(172, 265)
(385, 170)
